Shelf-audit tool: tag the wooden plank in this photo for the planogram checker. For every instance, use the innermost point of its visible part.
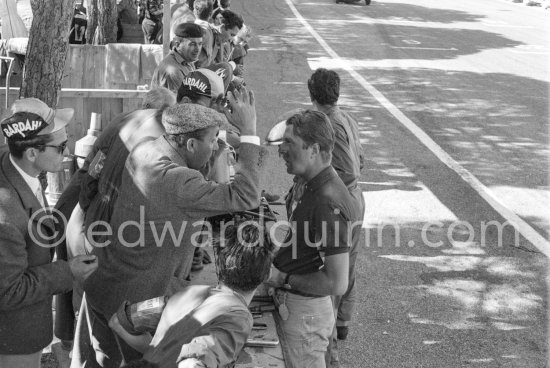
(108, 103)
(77, 129)
(75, 64)
(115, 107)
(131, 104)
(99, 59)
(88, 93)
(123, 86)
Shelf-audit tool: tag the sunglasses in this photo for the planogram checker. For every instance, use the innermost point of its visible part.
(60, 148)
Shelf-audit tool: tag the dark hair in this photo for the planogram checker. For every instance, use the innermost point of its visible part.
(324, 86)
(203, 9)
(223, 3)
(313, 127)
(18, 146)
(186, 92)
(141, 363)
(181, 139)
(191, 4)
(231, 20)
(245, 256)
(216, 12)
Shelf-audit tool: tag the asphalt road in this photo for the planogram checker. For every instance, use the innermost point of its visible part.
(439, 286)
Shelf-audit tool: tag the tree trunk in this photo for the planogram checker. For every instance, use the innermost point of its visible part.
(102, 22)
(47, 50)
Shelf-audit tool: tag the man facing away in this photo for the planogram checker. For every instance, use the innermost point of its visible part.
(204, 326)
(37, 141)
(163, 200)
(313, 262)
(347, 160)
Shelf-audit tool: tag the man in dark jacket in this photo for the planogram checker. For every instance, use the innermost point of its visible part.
(99, 192)
(28, 278)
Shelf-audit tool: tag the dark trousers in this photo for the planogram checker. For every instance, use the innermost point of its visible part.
(150, 30)
(96, 345)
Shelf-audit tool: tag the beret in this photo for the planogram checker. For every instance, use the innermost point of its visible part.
(188, 30)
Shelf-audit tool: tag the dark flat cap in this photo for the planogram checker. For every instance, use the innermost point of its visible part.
(188, 30)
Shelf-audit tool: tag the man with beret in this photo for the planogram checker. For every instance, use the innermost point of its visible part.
(185, 50)
(37, 140)
(163, 200)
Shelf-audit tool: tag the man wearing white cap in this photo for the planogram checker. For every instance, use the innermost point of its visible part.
(37, 140)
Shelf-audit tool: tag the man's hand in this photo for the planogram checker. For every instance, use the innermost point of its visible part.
(191, 363)
(115, 325)
(241, 111)
(217, 103)
(82, 267)
(277, 278)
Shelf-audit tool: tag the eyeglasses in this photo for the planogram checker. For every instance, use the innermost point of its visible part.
(60, 148)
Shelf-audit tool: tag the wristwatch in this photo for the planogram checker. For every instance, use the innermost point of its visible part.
(286, 283)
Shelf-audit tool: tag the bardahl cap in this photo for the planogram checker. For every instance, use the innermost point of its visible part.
(30, 117)
(188, 30)
(202, 82)
(188, 117)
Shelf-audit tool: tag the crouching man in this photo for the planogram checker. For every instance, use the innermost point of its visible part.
(203, 326)
(312, 264)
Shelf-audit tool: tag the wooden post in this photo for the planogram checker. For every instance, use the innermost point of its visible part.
(166, 20)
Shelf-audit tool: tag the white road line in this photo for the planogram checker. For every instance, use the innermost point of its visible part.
(422, 48)
(521, 226)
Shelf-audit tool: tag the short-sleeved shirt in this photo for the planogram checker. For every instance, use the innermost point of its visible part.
(171, 72)
(320, 225)
(347, 156)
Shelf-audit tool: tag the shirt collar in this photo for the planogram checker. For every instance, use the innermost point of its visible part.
(320, 179)
(32, 182)
(180, 59)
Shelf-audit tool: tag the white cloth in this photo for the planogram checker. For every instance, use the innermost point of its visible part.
(254, 139)
(77, 244)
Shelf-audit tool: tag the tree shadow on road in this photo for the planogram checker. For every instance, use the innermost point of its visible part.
(459, 303)
(498, 132)
(417, 13)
